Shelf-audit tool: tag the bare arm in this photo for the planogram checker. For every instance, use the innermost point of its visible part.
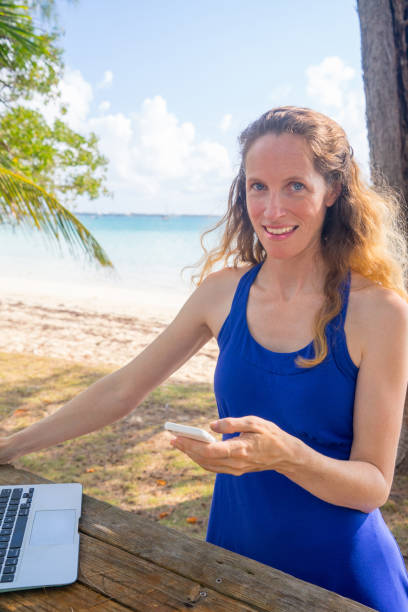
(116, 394)
(363, 481)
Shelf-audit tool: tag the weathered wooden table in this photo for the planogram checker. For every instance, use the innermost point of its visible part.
(129, 563)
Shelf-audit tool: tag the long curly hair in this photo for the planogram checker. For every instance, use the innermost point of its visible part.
(363, 231)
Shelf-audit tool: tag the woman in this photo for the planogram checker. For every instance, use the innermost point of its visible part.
(311, 427)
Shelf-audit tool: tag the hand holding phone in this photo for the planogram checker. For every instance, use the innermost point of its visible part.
(196, 433)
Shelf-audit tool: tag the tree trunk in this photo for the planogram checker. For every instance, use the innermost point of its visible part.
(384, 40)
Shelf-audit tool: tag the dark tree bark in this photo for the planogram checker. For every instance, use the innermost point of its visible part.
(384, 42)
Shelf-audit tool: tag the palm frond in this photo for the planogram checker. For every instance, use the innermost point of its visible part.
(15, 27)
(24, 202)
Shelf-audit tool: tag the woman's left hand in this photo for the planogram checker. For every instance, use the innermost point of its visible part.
(261, 445)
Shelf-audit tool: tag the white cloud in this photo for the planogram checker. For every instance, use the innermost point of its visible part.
(335, 91)
(225, 123)
(115, 134)
(164, 146)
(156, 162)
(104, 106)
(167, 158)
(75, 94)
(107, 79)
(327, 80)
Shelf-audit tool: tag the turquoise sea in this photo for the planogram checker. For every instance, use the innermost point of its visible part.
(148, 252)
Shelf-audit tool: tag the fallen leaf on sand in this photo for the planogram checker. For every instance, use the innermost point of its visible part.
(20, 411)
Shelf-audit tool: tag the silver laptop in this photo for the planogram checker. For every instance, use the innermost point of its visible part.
(39, 539)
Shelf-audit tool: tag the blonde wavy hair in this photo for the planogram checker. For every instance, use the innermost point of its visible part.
(363, 231)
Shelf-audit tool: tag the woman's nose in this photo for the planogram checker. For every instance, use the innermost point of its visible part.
(274, 208)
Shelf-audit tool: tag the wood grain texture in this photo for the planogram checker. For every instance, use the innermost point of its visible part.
(142, 585)
(75, 597)
(211, 566)
(173, 567)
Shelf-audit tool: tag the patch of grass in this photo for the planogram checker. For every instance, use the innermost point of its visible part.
(129, 463)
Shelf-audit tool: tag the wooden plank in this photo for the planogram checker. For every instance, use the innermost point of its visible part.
(142, 585)
(74, 597)
(212, 567)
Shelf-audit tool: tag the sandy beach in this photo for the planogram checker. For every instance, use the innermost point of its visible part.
(92, 325)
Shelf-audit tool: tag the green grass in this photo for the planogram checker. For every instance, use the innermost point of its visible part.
(125, 463)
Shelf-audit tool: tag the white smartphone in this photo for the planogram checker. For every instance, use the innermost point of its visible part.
(196, 433)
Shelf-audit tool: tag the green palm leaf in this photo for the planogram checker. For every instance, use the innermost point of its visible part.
(24, 202)
(15, 26)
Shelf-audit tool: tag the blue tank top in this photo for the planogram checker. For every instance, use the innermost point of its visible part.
(265, 515)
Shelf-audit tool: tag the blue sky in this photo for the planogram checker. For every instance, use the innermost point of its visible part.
(168, 86)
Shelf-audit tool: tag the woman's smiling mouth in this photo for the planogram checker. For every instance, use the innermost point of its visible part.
(279, 232)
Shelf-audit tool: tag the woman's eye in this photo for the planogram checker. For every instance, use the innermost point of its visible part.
(257, 186)
(297, 186)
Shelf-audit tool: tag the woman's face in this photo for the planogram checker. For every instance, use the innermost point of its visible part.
(286, 197)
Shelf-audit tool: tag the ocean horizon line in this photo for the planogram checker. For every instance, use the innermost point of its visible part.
(133, 214)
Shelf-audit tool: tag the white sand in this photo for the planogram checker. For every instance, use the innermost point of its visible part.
(92, 324)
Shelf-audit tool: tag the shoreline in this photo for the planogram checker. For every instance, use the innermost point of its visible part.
(93, 325)
(103, 298)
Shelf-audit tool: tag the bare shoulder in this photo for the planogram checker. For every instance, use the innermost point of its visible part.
(226, 276)
(219, 288)
(377, 310)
